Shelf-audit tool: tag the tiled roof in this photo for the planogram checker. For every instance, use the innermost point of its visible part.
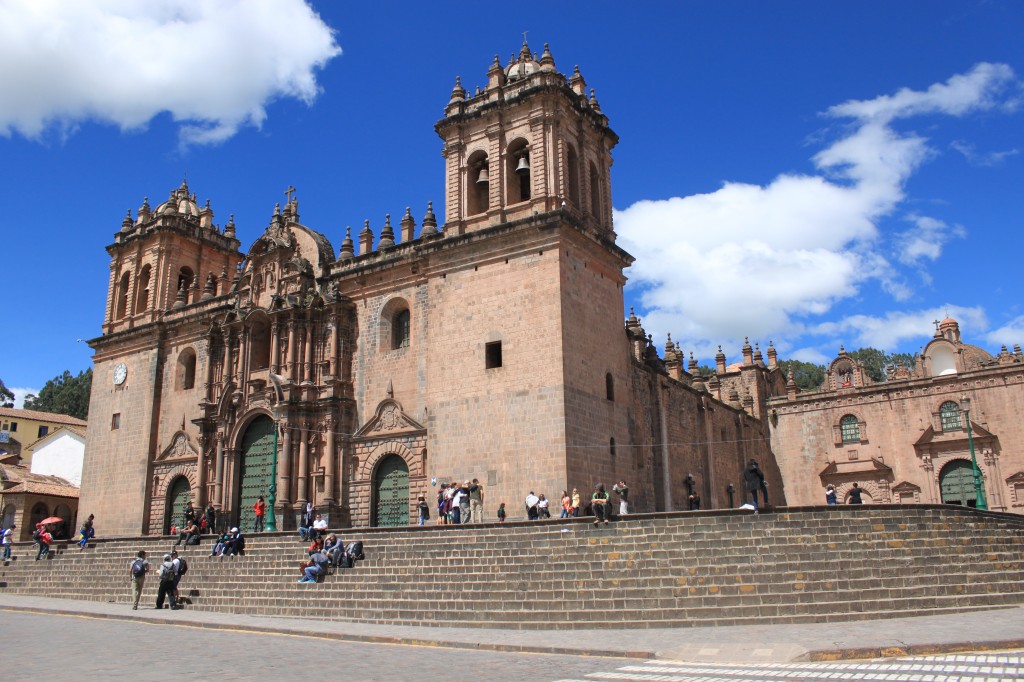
(35, 488)
(38, 416)
(18, 473)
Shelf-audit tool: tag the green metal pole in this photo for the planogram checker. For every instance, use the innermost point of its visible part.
(271, 526)
(979, 489)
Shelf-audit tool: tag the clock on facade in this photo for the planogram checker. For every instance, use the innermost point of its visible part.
(120, 373)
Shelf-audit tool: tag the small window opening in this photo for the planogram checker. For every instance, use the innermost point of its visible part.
(400, 330)
(611, 446)
(493, 355)
(115, 421)
(609, 387)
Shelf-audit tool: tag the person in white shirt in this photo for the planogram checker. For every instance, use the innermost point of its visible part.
(319, 526)
(6, 537)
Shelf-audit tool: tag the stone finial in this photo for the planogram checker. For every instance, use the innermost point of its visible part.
(720, 360)
(692, 365)
(842, 349)
(210, 289)
(347, 247)
(127, 223)
(429, 222)
(365, 239)
(525, 55)
(458, 92)
(758, 359)
(772, 356)
(495, 74)
(576, 82)
(229, 229)
(408, 226)
(181, 297)
(547, 62)
(593, 101)
(748, 352)
(387, 234)
(144, 211)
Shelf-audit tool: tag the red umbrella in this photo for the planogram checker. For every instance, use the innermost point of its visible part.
(51, 519)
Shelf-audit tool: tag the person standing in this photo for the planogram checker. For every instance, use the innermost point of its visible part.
(600, 502)
(830, 494)
(753, 481)
(424, 510)
(501, 513)
(622, 491)
(180, 569)
(211, 518)
(189, 515)
(465, 509)
(543, 505)
(575, 503)
(137, 569)
(531, 506)
(456, 503)
(855, 495)
(476, 501)
(260, 508)
(694, 502)
(566, 503)
(43, 537)
(166, 583)
(6, 538)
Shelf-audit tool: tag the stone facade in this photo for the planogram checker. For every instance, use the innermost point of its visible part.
(491, 347)
(905, 440)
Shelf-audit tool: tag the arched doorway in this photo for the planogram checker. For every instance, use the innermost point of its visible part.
(391, 492)
(178, 496)
(39, 512)
(257, 454)
(67, 526)
(956, 481)
(8, 519)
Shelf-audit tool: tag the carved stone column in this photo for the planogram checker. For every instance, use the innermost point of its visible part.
(303, 473)
(333, 352)
(274, 350)
(291, 350)
(203, 441)
(329, 459)
(307, 366)
(218, 481)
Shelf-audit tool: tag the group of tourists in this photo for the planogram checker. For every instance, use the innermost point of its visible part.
(170, 573)
(328, 553)
(456, 503)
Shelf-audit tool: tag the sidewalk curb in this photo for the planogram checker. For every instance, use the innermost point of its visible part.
(859, 653)
(341, 636)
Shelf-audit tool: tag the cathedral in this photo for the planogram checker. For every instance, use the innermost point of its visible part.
(490, 347)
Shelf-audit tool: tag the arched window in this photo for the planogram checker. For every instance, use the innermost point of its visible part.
(850, 429)
(573, 176)
(517, 172)
(609, 386)
(259, 345)
(142, 290)
(478, 194)
(949, 414)
(185, 378)
(400, 329)
(122, 296)
(595, 192)
(185, 277)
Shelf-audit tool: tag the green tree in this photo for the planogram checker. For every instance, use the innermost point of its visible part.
(908, 360)
(807, 376)
(64, 394)
(873, 361)
(704, 371)
(6, 396)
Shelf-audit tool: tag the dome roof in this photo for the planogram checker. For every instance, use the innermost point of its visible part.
(179, 203)
(522, 67)
(947, 321)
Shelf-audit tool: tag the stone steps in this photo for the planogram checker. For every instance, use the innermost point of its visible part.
(800, 565)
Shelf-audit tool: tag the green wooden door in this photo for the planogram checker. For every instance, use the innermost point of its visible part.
(957, 484)
(391, 488)
(177, 500)
(256, 463)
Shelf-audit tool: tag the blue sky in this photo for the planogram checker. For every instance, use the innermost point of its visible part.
(802, 172)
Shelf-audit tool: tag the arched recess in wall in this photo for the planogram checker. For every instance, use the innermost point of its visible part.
(943, 360)
(259, 342)
(69, 525)
(178, 495)
(478, 188)
(8, 518)
(395, 325)
(185, 371)
(595, 192)
(122, 296)
(185, 278)
(572, 168)
(39, 512)
(956, 483)
(142, 290)
(517, 172)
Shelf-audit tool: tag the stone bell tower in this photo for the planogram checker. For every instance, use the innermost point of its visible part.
(530, 141)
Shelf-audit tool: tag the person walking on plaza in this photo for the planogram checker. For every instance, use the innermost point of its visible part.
(6, 538)
(476, 501)
(830, 494)
(622, 491)
(753, 481)
(137, 569)
(600, 503)
(501, 513)
(166, 589)
(855, 493)
(87, 531)
(260, 508)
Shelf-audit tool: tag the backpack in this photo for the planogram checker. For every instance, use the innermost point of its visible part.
(182, 566)
(37, 534)
(138, 568)
(355, 550)
(167, 576)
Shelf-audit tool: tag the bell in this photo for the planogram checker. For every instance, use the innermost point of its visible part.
(482, 178)
(524, 165)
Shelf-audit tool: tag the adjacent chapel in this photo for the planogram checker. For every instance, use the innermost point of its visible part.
(356, 379)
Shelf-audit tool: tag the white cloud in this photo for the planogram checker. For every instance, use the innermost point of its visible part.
(1009, 334)
(984, 159)
(894, 329)
(20, 393)
(769, 260)
(212, 65)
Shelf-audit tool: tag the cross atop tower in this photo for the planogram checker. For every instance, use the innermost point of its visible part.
(288, 194)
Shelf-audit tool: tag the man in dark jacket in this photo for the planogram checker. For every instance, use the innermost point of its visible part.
(753, 480)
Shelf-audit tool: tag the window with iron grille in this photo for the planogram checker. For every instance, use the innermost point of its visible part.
(850, 429)
(949, 413)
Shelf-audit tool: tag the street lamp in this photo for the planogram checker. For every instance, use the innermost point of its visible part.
(979, 490)
(278, 412)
